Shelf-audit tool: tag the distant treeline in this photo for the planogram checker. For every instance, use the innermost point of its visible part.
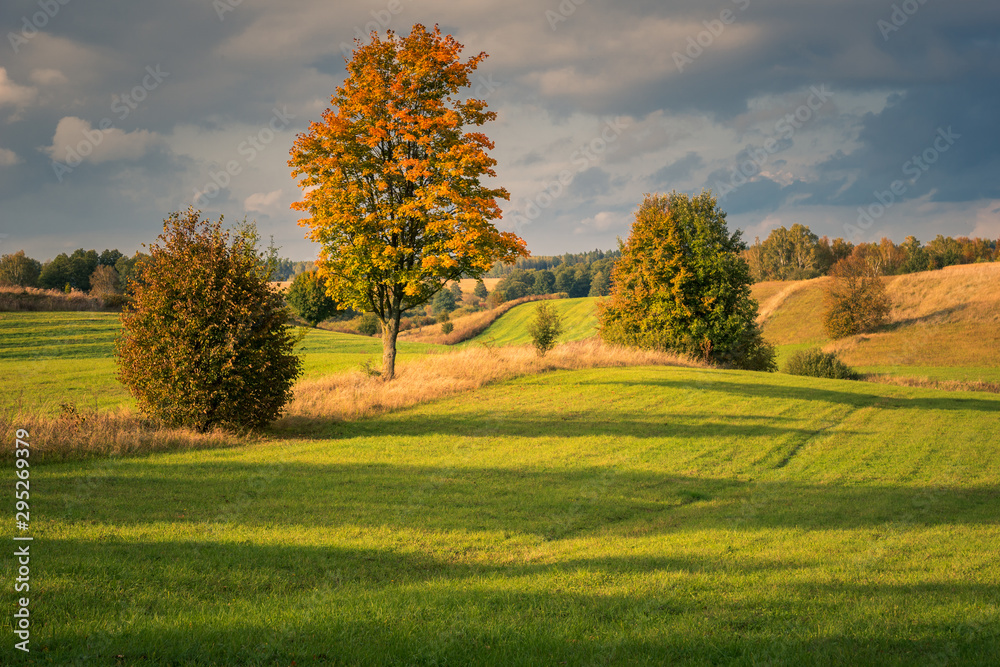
(287, 269)
(550, 262)
(798, 254)
(584, 274)
(82, 271)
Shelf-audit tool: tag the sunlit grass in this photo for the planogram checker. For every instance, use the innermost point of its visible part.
(609, 516)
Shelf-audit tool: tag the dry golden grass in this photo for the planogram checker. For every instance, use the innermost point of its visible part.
(78, 435)
(948, 317)
(771, 299)
(33, 299)
(970, 292)
(356, 395)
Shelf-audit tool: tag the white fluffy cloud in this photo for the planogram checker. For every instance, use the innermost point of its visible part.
(14, 95)
(262, 202)
(77, 141)
(8, 158)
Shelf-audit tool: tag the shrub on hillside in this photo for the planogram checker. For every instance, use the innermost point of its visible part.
(204, 340)
(856, 300)
(818, 364)
(545, 328)
(447, 327)
(368, 324)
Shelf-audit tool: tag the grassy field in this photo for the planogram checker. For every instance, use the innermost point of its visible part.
(614, 516)
(68, 357)
(579, 319)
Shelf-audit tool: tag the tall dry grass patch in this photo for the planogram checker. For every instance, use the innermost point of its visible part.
(79, 435)
(968, 292)
(356, 395)
(33, 299)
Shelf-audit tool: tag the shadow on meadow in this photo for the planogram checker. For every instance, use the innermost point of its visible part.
(546, 504)
(864, 397)
(257, 604)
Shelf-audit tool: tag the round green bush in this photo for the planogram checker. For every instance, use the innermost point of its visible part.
(368, 325)
(447, 327)
(818, 364)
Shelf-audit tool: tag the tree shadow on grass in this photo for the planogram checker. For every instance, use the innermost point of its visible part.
(226, 603)
(545, 504)
(864, 397)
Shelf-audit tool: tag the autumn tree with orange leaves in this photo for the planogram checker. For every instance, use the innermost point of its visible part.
(391, 180)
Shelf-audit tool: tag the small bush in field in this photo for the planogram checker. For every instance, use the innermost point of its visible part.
(204, 339)
(368, 324)
(545, 328)
(447, 328)
(818, 364)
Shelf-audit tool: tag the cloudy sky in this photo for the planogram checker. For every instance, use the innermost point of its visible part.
(858, 118)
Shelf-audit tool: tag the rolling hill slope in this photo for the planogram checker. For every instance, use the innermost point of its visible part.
(579, 317)
(944, 324)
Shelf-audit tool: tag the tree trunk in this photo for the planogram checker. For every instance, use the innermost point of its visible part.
(390, 329)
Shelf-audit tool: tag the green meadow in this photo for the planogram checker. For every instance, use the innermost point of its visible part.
(648, 515)
(626, 516)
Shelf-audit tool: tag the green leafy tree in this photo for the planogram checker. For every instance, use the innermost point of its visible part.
(74, 270)
(204, 339)
(682, 285)
(565, 277)
(129, 270)
(456, 290)
(917, 258)
(444, 302)
(600, 285)
(545, 282)
(19, 270)
(480, 290)
(545, 328)
(856, 300)
(308, 298)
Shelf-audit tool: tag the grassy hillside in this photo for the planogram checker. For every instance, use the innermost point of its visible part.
(625, 516)
(50, 358)
(579, 317)
(944, 324)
